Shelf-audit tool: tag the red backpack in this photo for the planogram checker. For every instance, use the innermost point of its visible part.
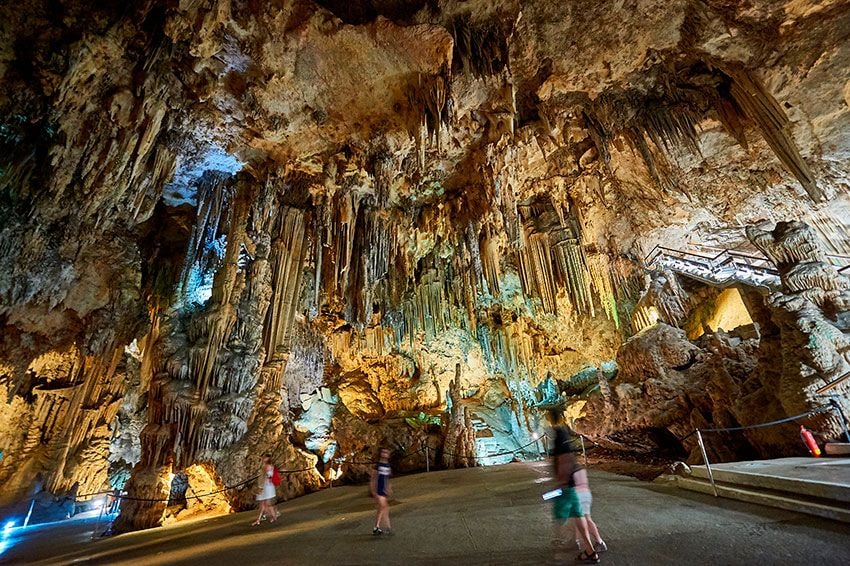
(275, 476)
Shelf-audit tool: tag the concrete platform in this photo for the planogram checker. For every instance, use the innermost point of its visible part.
(488, 515)
(837, 448)
(817, 486)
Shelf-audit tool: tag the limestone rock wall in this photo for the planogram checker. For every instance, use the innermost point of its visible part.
(230, 228)
(793, 360)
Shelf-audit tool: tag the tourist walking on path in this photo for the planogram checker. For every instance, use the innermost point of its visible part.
(381, 491)
(566, 506)
(585, 500)
(267, 493)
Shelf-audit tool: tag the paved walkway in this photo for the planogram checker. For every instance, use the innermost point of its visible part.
(480, 516)
(829, 471)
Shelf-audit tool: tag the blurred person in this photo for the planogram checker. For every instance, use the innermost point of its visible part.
(567, 506)
(585, 499)
(380, 488)
(267, 492)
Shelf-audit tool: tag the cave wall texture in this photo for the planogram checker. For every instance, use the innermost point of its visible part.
(312, 228)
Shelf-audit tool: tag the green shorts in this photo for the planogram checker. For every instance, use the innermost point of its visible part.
(567, 506)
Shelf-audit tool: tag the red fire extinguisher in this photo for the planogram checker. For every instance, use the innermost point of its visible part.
(810, 441)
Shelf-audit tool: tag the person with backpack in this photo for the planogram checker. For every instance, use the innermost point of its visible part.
(379, 486)
(267, 482)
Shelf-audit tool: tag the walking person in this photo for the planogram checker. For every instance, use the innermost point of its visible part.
(585, 499)
(381, 491)
(567, 506)
(267, 482)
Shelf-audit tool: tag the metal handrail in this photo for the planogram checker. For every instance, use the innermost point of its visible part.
(720, 260)
(842, 257)
(658, 248)
(731, 256)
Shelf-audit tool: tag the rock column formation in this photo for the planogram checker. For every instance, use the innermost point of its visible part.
(459, 444)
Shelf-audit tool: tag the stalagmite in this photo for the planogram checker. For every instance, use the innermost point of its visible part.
(459, 445)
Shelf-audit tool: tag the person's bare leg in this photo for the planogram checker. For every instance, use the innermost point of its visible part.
(592, 530)
(584, 535)
(260, 516)
(387, 514)
(575, 532)
(382, 511)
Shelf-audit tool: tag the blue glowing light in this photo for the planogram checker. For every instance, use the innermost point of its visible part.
(199, 285)
(9, 526)
(199, 282)
(183, 189)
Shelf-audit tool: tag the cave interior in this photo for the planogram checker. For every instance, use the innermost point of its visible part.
(317, 228)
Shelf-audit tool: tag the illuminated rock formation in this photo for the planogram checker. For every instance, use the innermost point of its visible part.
(232, 228)
(459, 446)
(812, 312)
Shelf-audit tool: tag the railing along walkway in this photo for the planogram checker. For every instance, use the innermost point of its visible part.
(727, 266)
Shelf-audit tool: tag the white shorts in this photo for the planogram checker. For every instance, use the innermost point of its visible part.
(268, 492)
(585, 499)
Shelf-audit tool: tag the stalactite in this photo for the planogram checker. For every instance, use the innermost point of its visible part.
(601, 279)
(383, 173)
(429, 97)
(490, 262)
(536, 270)
(833, 229)
(757, 104)
(480, 48)
(288, 256)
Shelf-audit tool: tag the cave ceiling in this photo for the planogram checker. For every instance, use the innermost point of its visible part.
(222, 218)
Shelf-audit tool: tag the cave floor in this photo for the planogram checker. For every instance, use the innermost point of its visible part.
(478, 516)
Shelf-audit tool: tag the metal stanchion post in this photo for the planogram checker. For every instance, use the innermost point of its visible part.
(583, 452)
(97, 523)
(29, 513)
(707, 464)
(427, 460)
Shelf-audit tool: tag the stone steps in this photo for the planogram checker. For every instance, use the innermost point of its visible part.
(486, 447)
(800, 486)
(819, 487)
(491, 444)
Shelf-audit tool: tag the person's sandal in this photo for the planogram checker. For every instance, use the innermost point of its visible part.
(601, 546)
(585, 558)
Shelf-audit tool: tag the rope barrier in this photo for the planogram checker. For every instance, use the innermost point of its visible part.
(821, 409)
(341, 460)
(698, 432)
(196, 496)
(229, 487)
